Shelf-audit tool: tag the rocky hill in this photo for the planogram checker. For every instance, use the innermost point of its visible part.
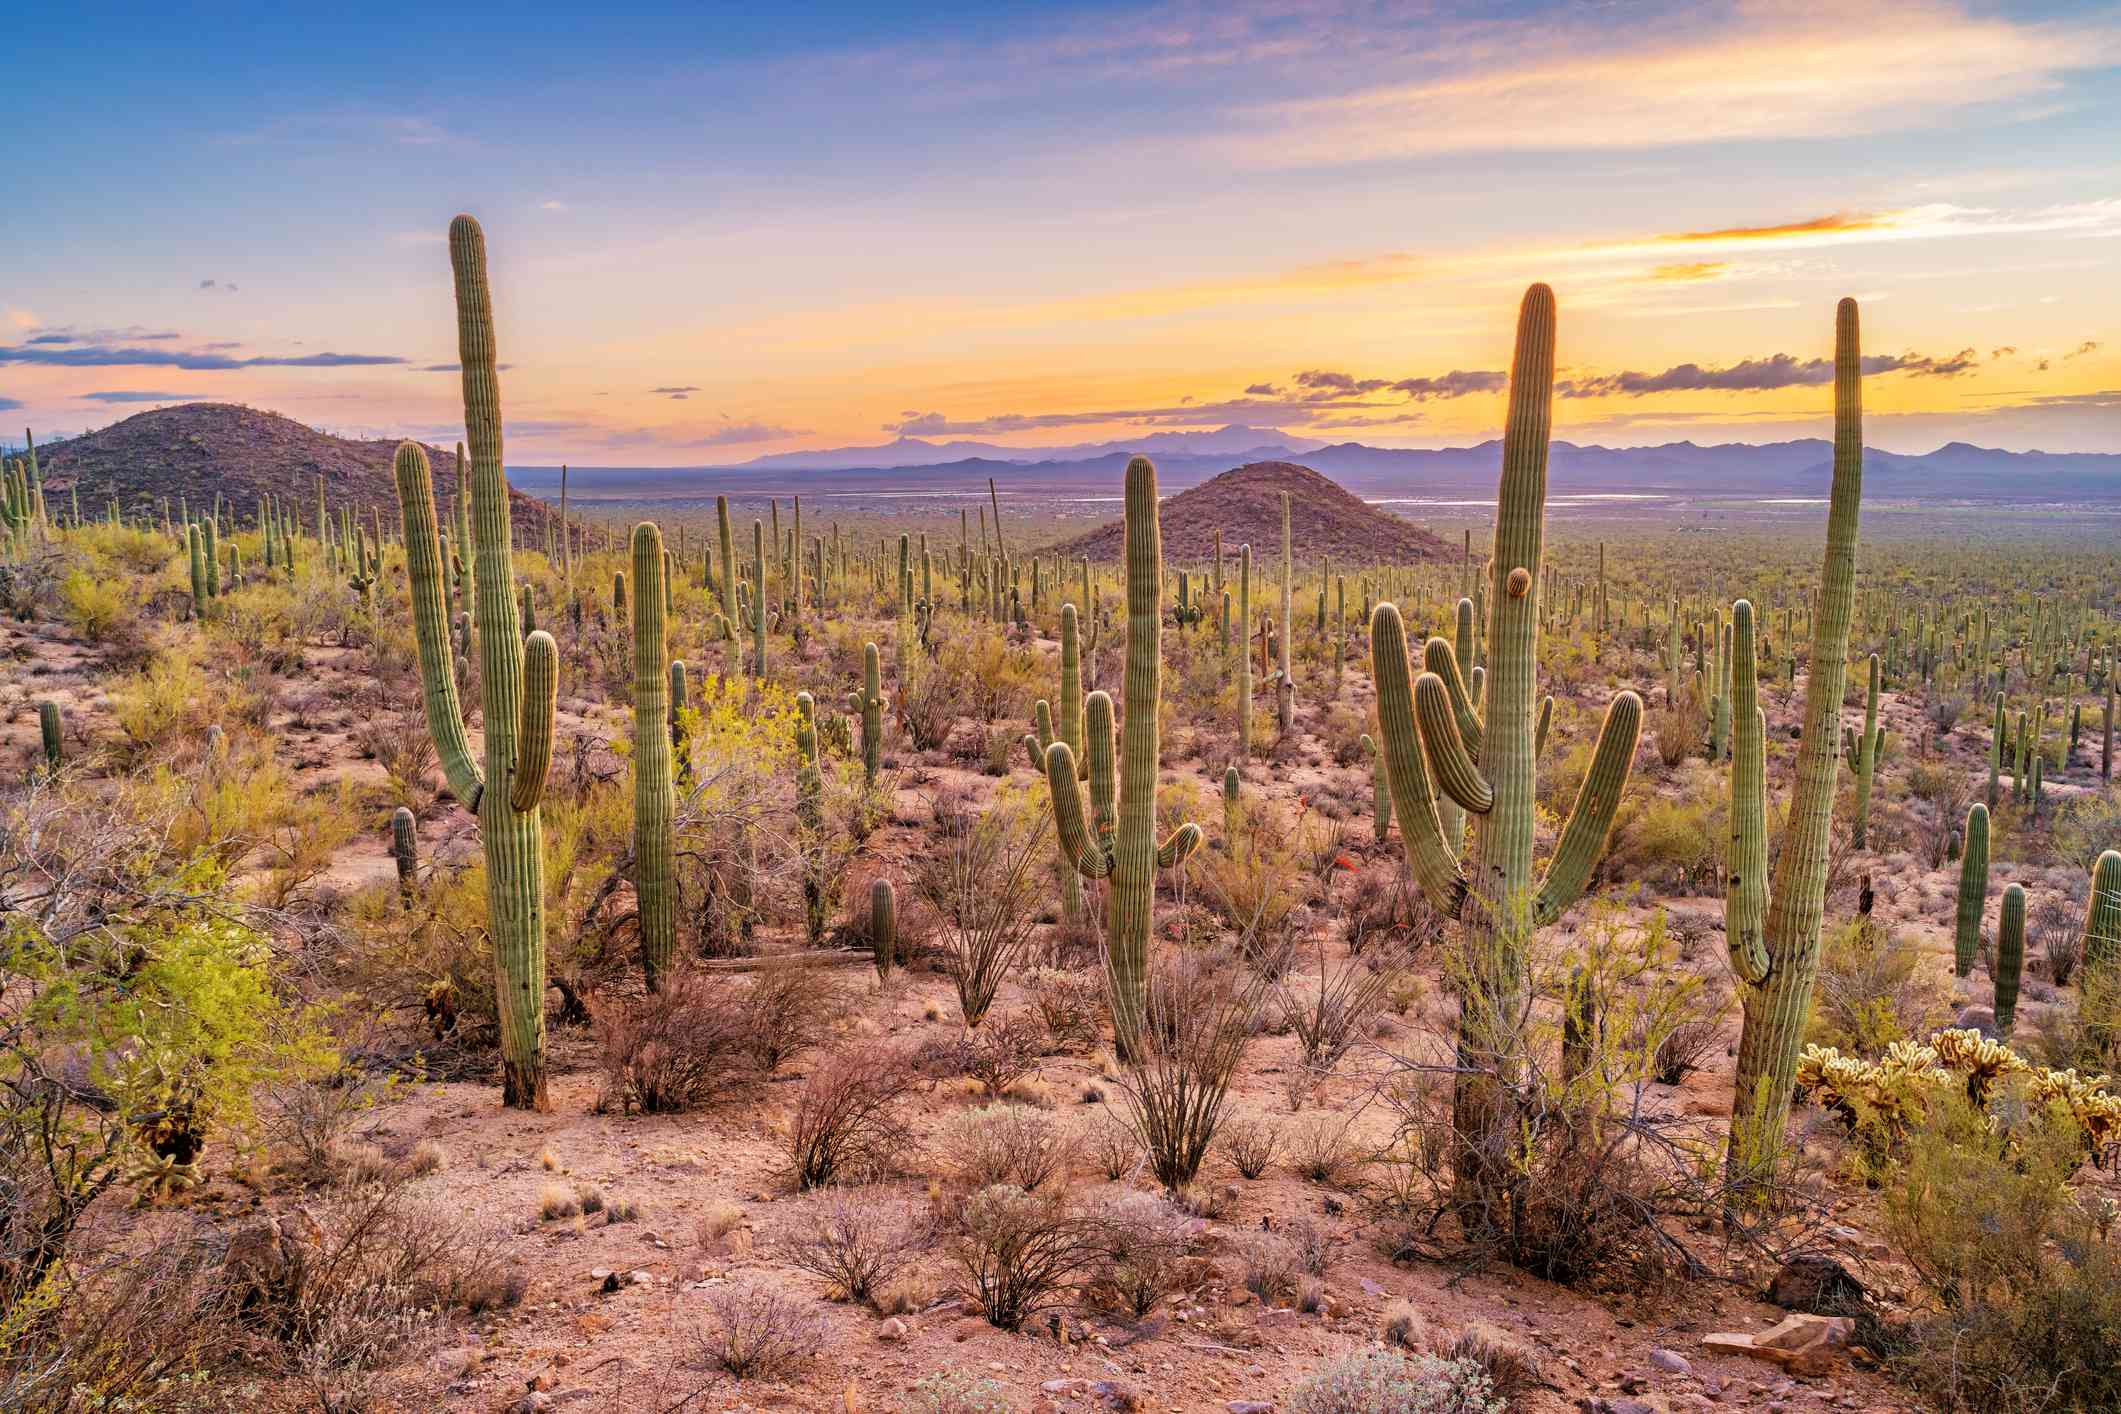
(1244, 503)
(197, 449)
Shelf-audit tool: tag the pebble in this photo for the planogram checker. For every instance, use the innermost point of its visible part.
(1671, 1362)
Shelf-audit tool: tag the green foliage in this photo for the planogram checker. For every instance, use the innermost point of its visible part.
(1875, 987)
(97, 609)
(1386, 1382)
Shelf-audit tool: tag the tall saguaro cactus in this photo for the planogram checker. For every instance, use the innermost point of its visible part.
(1777, 961)
(1973, 890)
(1488, 765)
(2010, 956)
(520, 677)
(654, 799)
(1123, 849)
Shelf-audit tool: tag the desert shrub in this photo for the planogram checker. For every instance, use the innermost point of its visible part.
(173, 699)
(847, 1123)
(101, 611)
(1019, 1251)
(1332, 1008)
(1255, 886)
(309, 830)
(405, 749)
(1690, 1037)
(926, 703)
(678, 1049)
(789, 1010)
(1141, 1240)
(2057, 935)
(1250, 1141)
(1114, 1146)
(955, 1392)
(1000, 1055)
(1270, 1267)
(979, 885)
(1385, 1382)
(990, 676)
(1199, 1019)
(1679, 728)
(2087, 827)
(1384, 905)
(1675, 845)
(753, 1330)
(1007, 1144)
(2022, 1280)
(1072, 1005)
(1321, 1147)
(857, 1241)
(1874, 988)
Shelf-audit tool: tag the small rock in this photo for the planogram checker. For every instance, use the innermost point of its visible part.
(532, 1403)
(599, 1273)
(1815, 1282)
(642, 1278)
(1372, 1288)
(1671, 1362)
(1065, 1387)
(1249, 1406)
(893, 1330)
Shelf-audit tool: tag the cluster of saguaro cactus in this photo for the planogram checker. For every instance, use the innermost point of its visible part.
(520, 677)
(1487, 764)
(1774, 928)
(1119, 844)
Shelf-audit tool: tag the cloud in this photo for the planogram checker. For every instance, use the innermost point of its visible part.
(676, 394)
(2088, 346)
(10, 404)
(1262, 390)
(1818, 225)
(735, 433)
(1691, 270)
(108, 356)
(1458, 383)
(1321, 382)
(2004, 352)
(130, 396)
(454, 367)
(1757, 375)
(1768, 72)
(228, 285)
(553, 205)
(23, 318)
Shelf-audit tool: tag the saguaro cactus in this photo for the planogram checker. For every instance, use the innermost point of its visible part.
(2102, 912)
(2010, 956)
(868, 704)
(1124, 850)
(883, 927)
(520, 678)
(1487, 764)
(654, 799)
(1863, 752)
(405, 850)
(1777, 960)
(1244, 653)
(1973, 891)
(51, 728)
(1380, 790)
(1284, 676)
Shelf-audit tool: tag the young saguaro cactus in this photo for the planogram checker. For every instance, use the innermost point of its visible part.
(654, 798)
(405, 851)
(1774, 938)
(868, 704)
(520, 677)
(1863, 753)
(2010, 956)
(883, 927)
(51, 727)
(1123, 848)
(1488, 765)
(1973, 891)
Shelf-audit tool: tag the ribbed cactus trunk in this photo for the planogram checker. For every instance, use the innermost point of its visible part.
(728, 586)
(1124, 849)
(2102, 912)
(1973, 891)
(1863, 754)
(519, 676)
(2010, 956)
(1284, 678)
(51, 731)
(405, 851)
(654, 798)
(1244, 653)
(1487, 763)
(1778, 1005)
(883, 927)
(758, 600)
(869, 706)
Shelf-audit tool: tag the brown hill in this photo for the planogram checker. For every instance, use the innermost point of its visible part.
(194, 450)
(1244, 503)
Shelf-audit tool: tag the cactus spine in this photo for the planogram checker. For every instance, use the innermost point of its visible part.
(1487, 764)
(1776, 971)
(654, 800)
(520, 678)
(1973, 891)
(2010, 956)
(1124, 850)
(1863, 754)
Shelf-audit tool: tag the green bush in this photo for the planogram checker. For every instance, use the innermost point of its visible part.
(1385, 1382)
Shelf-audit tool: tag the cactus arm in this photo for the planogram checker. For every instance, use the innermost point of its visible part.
(1455, 772)
(541, 684)
(1591, 821)
(1746, 892)
(1546, 719)
(1438, 657)
(1090, 858)
(438, 681)
(1380, 790)
(1179, 847)
(1430, 859)
(1101, 769)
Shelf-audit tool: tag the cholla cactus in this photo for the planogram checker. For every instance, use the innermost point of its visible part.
(520, 677)
(1122, 847)
(1487, 764)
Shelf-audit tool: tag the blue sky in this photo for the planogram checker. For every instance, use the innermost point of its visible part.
(722, 231)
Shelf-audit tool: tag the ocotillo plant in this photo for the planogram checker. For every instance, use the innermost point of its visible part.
(1863, 752)
(2010, 956)
(1124, 849)
(654, 800)
(520, 677)
(1777, 959)
(1973, 891)
(1488, 765)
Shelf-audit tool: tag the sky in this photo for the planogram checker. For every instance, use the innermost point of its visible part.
(719, 231)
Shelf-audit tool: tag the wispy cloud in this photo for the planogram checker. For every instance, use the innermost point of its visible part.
(674, 392)
(228, 285)
(1727, 74)
(10, 404)
(105, 356)
(1690, 271)
(128, 395)
(554, 204)
(1756, 375)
